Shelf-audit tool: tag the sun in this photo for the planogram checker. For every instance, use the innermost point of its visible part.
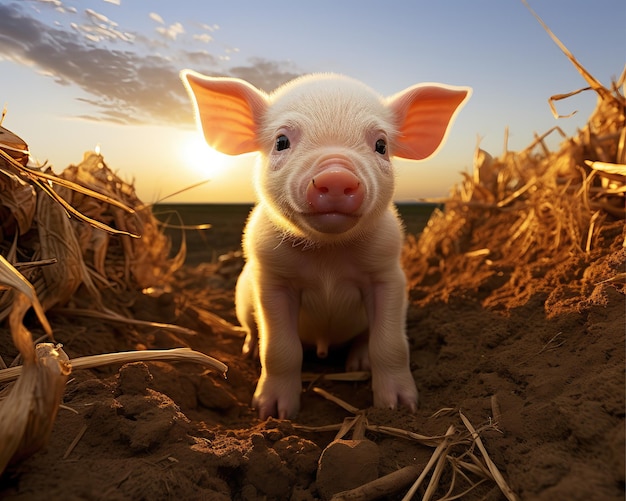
(200, 157)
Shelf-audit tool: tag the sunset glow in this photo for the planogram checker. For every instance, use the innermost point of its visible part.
(200, 158)
(108, 72)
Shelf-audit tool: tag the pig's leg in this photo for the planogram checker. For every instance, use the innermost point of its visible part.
(280, 349)
(358, 356)
(244, 307)
(392, 381)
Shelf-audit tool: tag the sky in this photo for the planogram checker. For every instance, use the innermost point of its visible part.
(77, 74)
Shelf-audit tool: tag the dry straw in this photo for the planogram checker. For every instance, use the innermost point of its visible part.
(109, 243)
(555, 203)
(454, 454)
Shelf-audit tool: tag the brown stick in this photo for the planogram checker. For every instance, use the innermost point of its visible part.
(74, 443)
(383, 486)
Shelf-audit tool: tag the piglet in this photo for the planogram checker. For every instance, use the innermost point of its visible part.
(323, 243)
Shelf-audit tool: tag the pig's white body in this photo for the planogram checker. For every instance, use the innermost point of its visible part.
(323, 243)
(323, 296)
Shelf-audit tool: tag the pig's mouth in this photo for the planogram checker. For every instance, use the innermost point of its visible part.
(332, 222)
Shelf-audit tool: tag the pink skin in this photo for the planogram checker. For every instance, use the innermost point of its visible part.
(334, 195)
(323, 244)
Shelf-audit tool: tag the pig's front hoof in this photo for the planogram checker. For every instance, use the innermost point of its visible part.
(277, 397)
(394, 392)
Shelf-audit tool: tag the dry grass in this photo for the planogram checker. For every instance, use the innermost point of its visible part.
(555, 203)
(110, 243)
(124, 357)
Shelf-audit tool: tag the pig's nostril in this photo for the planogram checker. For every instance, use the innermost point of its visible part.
(336, 189)
(322, 189)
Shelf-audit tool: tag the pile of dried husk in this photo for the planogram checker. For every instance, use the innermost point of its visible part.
(77, 239)
(554, 205)
(112, 243)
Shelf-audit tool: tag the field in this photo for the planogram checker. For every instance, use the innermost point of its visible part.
(538, 367)
(516, 325)
(227, 222)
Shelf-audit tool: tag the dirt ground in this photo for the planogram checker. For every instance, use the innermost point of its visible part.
(536, 352)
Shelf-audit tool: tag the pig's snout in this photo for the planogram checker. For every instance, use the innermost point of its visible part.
(334, 196)
(335, 189)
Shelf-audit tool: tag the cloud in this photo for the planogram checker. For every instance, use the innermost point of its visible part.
(123, 82)
(266, 74)
(171, 31)
(114, 2)
(124, 86)
(202, 59)
(204, 37)
(101, 28)
(155, 17)
(58, 5)
(210, 27)
(55, 3)
(96, 17)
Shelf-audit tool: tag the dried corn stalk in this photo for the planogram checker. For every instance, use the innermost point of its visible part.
(28, 407)
(105, 253)
(121, 260)
(58, 240)
(28, 410)
(73, 236)
(13, 145)
(52, 249)
(29, 201)
(17, 205)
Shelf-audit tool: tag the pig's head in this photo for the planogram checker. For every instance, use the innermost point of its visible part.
(326, 143)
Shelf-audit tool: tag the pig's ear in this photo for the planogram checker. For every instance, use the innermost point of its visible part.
(424, 114)
(228, 110)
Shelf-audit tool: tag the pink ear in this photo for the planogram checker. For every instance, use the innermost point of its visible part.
(228, 110)
(425, 114)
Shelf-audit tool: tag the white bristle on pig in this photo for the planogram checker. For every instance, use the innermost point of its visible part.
(323, 243)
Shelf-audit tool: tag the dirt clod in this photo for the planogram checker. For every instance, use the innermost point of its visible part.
(345, 465)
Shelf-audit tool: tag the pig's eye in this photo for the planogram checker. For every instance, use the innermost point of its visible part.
(282, 143)
(381, 146)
